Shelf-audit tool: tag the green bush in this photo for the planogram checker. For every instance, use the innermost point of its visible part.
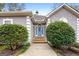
(60, 34)
(13, 35)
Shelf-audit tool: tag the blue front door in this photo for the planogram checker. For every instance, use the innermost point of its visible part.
(39, 30)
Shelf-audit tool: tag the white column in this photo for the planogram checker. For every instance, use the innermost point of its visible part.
(48, 22)
(29, 28)
(77, 35)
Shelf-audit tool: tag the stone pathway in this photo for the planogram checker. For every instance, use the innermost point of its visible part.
(39, 49)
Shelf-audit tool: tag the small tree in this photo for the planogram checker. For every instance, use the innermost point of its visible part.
(60, 33)
(13, 35)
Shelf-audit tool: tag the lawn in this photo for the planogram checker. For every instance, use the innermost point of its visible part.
(21, 50)
(4, 51)
(2, 48)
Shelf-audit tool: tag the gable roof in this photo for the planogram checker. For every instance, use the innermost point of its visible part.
(65, 6)
(16, 13)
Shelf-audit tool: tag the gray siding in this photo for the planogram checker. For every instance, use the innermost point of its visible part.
(16, 20)
(72, 20)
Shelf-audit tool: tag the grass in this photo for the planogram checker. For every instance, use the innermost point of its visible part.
(2, 48)
(21, 50)
(17, 51)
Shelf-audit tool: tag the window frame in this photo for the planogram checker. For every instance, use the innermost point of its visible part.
(7, 19)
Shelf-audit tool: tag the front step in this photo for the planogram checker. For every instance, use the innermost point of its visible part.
(38, 40)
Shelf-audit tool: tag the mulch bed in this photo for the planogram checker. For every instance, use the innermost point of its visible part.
(7, 52)
(19, 50)
(65, 52)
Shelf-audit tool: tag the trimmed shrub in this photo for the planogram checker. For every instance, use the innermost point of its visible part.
(13, 35)
(60, 34)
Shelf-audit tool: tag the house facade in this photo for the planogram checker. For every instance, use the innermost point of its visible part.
(36, 24)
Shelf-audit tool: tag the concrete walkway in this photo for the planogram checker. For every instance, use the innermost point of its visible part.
(39, 49)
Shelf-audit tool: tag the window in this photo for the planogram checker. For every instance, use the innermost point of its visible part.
(64, 19)
(7, 21)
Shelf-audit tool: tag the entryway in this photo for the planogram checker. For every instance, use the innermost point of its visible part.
(39, 27)
(39, 34)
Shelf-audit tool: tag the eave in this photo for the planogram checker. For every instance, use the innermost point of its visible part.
(15, 13)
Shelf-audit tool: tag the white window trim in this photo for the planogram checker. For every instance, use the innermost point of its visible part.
(7, 20)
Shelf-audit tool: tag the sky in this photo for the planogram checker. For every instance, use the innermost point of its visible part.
(42, 8)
